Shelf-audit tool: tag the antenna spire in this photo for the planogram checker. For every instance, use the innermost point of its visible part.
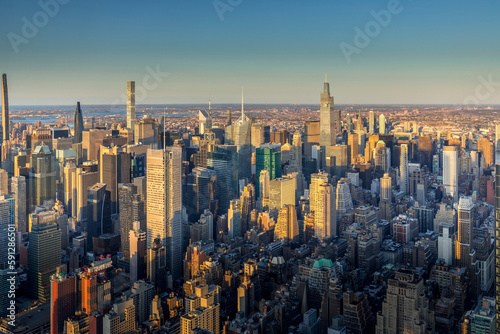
(326, 78)
(242, 108)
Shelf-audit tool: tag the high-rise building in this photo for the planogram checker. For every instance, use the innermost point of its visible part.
(130, 104)
(114, 168)
(268, 157)
(165, 214)
(463, 246)
(146, 132)
(5, 214)
(281, 192)
(381, 124)
(157, 265)
(201, 191)
(450, 171)
(371, 122)
(352, 143)
(42, 176)
(497, 137)
(380, 156)
(234, 219)
(327, 123)
(286, 225)
(223, 160)
(497, 244)
(325, 215)
(18, 189)
(487, 148)
(98, 213)
(316, 180)
(131, 210)
(409, 314)
(257, 135)
(425, 148)
(5, 109)
(312, 131)
(341, 160)
(63, 300)
(263, 194)
(137, 248)
(239, 134)
(403, 170)
(386, 188)
(44, 255)
(78, 124)
(203, 309)
(357, 315)
(343, 198)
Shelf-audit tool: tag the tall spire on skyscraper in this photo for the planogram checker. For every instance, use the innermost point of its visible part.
(5, 108)
(78, 128)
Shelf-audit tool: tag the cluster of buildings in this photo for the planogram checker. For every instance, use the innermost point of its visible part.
(356, 224)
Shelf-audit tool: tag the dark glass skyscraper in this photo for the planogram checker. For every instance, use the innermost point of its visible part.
(78, 123)
(5, 108)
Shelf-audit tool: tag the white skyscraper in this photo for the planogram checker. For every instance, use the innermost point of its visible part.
(165, 213)
(316, 180)
(344, 199)
(403, 169)
(445, 245)
(381, 124)
(450, 171)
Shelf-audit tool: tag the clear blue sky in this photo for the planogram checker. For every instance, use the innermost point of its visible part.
(433, 51)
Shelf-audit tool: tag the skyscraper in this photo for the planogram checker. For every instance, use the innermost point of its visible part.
(268, 157)
(464, 235)
(371, 122)
(327, 136)
(78, 125)
(98, 213)
(234, 219)
(146, 132)
(286, 225)
(239, 134)
(131, 210)
(5, 108)
(42, 175)
(381, 124)
(201, 191)
(450, 171)
(18, 189)
(164, 206)
(403, 169)
(497, 137)
(386, 188)
(344, 199)
(316, 180)
(44, 256)
(281, 192)
(130, 104)
(63, 300)
(114, 168)
(325, 216)
(497, 244)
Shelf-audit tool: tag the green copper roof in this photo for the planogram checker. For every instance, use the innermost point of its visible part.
(323, 263)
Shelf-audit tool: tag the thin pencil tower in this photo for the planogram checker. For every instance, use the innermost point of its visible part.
(5, 108)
